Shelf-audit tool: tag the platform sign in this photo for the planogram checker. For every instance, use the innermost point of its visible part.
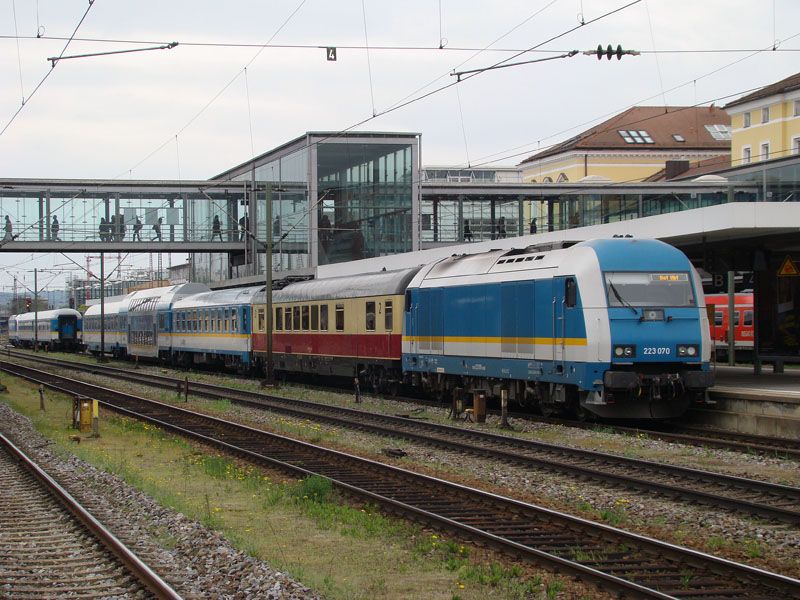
(788, 268)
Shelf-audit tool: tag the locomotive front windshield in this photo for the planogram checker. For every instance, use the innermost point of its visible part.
(649, 289)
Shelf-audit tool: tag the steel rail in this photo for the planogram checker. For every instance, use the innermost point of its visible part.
(146, 576)
(599, 466)
(613, 558)
(708, 438)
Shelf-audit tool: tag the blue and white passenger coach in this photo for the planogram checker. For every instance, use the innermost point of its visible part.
(614, 327)
(214, 328)
(114, 330)
(147, 316)
(58, 329)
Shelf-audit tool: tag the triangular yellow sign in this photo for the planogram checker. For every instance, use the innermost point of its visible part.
(788, 268)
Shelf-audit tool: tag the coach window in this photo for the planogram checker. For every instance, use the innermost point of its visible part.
(388, 316)
(748, 318)
(718, 318)
(219, 319)
(205, 321)
(340, 317)
(287, 313)
(571, 292)
(370, 321)
(736, 318)
(306, 318)
(226, 320)
(296, 318)
(323, 317)
(234, 320)
(261, 315)
(315, 317)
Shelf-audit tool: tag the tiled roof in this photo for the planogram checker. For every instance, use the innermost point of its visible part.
(660, 124)
(779, 87)
(696, 169)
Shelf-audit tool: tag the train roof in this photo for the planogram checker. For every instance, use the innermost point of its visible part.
(382, 283)
(622, 254)
(46, 314)
(219, 298)
(160, 298)
(111, 308)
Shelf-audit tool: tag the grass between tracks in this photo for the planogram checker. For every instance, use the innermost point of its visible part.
(302, 527)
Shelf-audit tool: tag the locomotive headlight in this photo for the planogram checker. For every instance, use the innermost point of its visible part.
(687, 350)
(624, 351)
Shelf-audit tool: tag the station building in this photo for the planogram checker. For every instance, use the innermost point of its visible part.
(766, 123)
(634, 144)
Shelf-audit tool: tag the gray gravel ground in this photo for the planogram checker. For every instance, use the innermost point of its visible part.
(196, 561)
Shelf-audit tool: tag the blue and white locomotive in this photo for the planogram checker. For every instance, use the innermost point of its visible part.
(612, 327)
(57, 329)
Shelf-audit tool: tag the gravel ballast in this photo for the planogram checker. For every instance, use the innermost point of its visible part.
(199, 563)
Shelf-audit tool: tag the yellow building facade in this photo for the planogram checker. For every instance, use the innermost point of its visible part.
(616, 166)
(766, 123)
(634, 145)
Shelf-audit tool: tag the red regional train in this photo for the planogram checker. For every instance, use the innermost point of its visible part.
(743, 317)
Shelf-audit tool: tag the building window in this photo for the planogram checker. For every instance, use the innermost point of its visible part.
(719, 132)
(797, 108)
(633, 136)
(796, 145)
(746, 155)
(765, 114)
(678, 137)
(562, 178)
(765, 151)
(746, 117)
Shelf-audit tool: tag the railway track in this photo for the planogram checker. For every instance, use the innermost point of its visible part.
(51, 547)
(699, 436)
(614, 559)
(765, 500)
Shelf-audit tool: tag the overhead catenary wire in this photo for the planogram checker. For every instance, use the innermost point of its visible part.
(463, 128)
(369, 62)
(658, 61)
(407, 102)
(221, 90)
(504, 154)
(52, 68)
(378, 48)
(19, 54)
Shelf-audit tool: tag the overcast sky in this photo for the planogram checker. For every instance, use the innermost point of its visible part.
(136, 115)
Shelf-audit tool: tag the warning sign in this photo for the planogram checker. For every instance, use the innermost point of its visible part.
(788, 268)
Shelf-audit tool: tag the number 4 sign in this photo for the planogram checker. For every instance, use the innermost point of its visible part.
(330, 52)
